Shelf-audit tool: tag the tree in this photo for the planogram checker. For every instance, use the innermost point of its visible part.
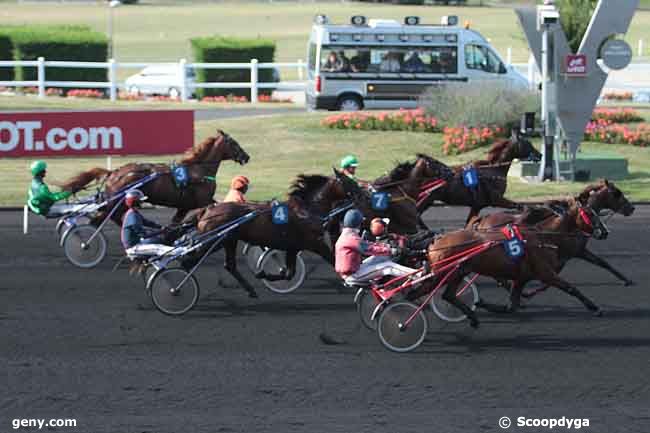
(575, 16)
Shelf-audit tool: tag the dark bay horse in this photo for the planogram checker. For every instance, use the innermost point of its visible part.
(403, 185)
(541, 260)
(492, 179)
(310, 199)
(202, 163)
(599, 197)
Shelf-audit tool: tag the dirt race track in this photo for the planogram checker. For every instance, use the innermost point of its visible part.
(89, 345)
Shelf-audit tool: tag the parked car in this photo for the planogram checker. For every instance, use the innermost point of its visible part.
(160, 80)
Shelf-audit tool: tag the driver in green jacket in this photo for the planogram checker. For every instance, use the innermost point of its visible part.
(41, 200)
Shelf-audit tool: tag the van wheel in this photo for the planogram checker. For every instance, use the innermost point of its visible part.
(349, 103)
(174, 93)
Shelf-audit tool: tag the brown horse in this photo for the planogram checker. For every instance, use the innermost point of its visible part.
(202, 163)
(599, 197)
(492, 179)
(403, 185)
(541, 260)
(310, 199)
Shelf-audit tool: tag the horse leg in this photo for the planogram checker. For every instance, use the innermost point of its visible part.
(473, 213)
(531, 293)
(179, 216)
(286, 273)
(567, 287)
(592, 258)
(231, 266)
(449, 295)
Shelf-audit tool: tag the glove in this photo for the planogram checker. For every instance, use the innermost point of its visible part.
(396, 251)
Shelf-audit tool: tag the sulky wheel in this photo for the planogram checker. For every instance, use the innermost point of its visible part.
(449, 313)
(80, 250)
(274, 262)
(174, 291)
(393, 331)
(366, 304)
(253, 253)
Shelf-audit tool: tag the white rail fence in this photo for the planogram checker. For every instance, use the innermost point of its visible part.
(113, 85)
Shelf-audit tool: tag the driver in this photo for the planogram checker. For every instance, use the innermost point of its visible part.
(41, 200)
(350, 248)
(137, 237)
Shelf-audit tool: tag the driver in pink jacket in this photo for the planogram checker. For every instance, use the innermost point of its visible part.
(350, 247)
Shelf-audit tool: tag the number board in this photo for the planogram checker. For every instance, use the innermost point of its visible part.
(514, 248)
(380, 200)
(180, 175)
(280, 214)
(470, 177)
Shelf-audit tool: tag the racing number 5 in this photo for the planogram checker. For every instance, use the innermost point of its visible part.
(514, 246)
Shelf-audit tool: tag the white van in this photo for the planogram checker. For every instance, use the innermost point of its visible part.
(385, 64)
(160, 80)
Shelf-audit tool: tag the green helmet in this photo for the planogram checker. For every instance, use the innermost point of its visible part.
(349, 161)
(38, 167)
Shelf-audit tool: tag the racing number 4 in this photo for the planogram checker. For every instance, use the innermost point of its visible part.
(280, 214)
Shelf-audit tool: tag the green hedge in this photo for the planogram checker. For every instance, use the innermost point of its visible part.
(72, 43)
(231, 50)
(6, 74)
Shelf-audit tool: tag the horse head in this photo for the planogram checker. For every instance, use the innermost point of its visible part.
(606, 195)
(431, 168)
(522, 148)
(231, 149)
(588, 220)
(317, 189)
(350, 187)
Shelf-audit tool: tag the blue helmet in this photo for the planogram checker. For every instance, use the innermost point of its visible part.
(353, 219)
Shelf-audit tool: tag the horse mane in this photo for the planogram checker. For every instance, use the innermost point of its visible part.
(82, 179)
(400, 172)
(197, 153)
(584, 195)
(496, 150)
(535, 214)
(306, 185)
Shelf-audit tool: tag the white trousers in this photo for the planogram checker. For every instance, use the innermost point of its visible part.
(147, 250)
(375, 267)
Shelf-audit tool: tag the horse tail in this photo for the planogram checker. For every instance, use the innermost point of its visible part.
(79, 181)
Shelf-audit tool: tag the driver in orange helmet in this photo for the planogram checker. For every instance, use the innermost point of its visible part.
(238, 188)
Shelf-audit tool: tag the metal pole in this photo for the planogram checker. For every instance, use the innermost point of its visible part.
(41, 77)
(254, 69)
(110, 32)
(112, 77)
(25, 219)
(546, 168)
(182, 72)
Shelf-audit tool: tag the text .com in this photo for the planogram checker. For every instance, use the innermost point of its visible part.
(42, 423)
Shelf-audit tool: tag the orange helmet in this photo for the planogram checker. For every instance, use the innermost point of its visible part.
(238, 182)
(377, 227)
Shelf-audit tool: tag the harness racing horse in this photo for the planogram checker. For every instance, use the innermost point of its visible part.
(310, 199)
(201, 163)
(599, 197)
(540, 259)
(491, 183)
(402, 186)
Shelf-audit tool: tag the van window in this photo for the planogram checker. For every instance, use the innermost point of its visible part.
(312, 57)
(481, 58)
(442, 59)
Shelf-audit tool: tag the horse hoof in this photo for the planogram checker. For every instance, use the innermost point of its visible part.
(598, 313)
(629, 283)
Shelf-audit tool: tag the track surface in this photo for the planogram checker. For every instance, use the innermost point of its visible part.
(88, 345)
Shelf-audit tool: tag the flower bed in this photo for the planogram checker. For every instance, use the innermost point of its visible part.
(463, 139)
(224, 99)
(85, 93)
(402, 120)
(618, 96)
(616, 115)
(270, 99)
(605, 131)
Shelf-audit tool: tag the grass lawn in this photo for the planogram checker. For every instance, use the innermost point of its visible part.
(161, 32)
(282, 147)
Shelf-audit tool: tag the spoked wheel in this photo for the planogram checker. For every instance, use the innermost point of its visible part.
(80, 250)
(449, 313)
(274, 262)
(60, 227)
(147, 275)
(366, 304)
(253, 254)
(393, 331)
(174, 292)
